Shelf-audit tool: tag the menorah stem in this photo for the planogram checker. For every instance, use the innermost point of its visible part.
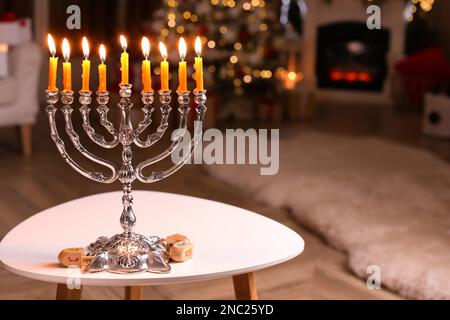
(127, 219)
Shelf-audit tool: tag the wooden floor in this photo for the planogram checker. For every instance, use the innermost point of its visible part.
(44, 180)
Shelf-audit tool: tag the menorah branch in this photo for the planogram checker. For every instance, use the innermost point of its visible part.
(102, 100)
(183, 100)
(52, 100)
(165, 99)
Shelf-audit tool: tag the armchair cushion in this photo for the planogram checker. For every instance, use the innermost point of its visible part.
(8, 90)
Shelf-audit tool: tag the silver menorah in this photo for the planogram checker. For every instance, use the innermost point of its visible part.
(128, 251)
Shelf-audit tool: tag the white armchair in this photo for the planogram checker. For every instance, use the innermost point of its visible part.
(19, 103)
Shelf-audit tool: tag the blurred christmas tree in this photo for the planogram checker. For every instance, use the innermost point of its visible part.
(241, 40)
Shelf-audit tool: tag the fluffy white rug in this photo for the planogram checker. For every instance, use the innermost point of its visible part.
(384, 204)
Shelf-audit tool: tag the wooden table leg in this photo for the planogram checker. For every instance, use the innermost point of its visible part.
(245, 287)
(64, 293)
(133, 293)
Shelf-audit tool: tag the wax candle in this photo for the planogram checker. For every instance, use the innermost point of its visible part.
(198, 65)
(102, 69)
(182, 75)
(124, 62)
(67, 67)
(146, 66)
(53, 64)
(164, 68)
(86, 66)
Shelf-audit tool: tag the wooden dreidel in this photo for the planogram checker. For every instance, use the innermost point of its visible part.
(73, 257)
(174, 238)
(181, 251)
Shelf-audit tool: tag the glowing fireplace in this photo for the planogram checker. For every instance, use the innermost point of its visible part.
(344, 61)
(351, 57)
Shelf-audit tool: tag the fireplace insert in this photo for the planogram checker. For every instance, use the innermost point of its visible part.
(350, 56)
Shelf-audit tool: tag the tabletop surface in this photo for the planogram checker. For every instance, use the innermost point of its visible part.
(227, 240)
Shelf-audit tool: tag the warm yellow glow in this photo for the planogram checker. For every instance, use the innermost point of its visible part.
(145, 44)
(292, 75)
(180, 29)
(263, 27)
(214, 2)
(211, 44)
(85, 45)
(233, 59)
(171, 16)
(102, 52)
(157, 70)
(223, 29)
(163, 50)
(198, 46)
(237, 82)
(66, 49)
(172, 3)
(230, 73)
(164, 32)
(232, 4)
(247, 6)
(182, 48)
(247, 78)
(171, 23)
(194, 18)
(266, 74)
(237, 46)
(123, 43)
(187, 15)
(51, 45)
(255, 3)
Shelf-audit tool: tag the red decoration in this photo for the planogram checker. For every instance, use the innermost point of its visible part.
(8, 16)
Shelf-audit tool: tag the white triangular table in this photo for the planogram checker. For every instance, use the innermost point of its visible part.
(228, 241)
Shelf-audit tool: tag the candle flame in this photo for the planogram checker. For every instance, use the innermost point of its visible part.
(145, 44)
(85, 45)
(182, 48)
(123, 42)
(198, 46)
(163, 50)
(102, 52)
(51, 45)
(66, 49)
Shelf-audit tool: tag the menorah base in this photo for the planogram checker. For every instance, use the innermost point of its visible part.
(128, 252)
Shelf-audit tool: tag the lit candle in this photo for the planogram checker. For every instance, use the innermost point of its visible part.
(164, 68)
(67, 67)
(182, 75)
(86, 66)
(198, 65)
(102, 69)
(146, 66)
(124, 60)
(53, 65)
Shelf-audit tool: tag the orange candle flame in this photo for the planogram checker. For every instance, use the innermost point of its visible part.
(66, 49)
(102, 52)
(198, 46)
(123, 43)
(145, 44)
(182, 48)
(51, 45)
(85, 45)
(163, 50)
